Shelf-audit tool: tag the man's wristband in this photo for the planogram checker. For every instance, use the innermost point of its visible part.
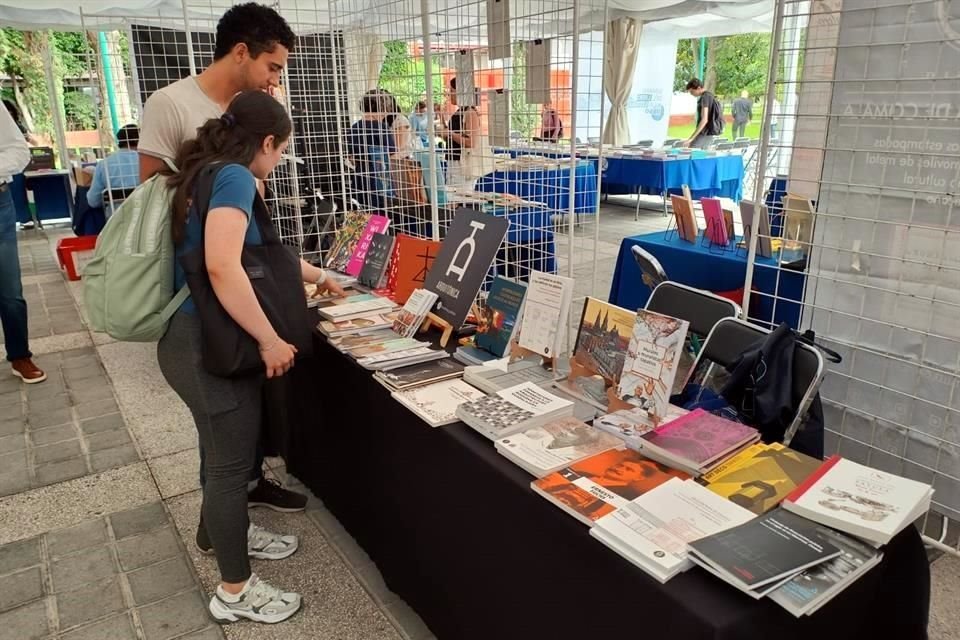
(323, 278)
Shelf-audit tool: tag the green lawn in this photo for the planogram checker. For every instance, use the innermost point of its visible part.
(684, 131)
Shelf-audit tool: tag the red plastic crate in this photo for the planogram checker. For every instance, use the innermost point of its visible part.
(74, 253)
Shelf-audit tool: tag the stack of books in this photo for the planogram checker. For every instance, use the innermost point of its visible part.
(543, 450)
(419, 375)
(513, 409)
(864, 502)
(652, 530)
(355, 306)
(436, 404)
(696, 442)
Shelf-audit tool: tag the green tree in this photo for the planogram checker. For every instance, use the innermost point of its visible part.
(81, 111)
(687, 52)
(523, 117)
(405, 76)
(733, 63)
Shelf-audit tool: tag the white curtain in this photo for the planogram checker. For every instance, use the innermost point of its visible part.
(621, 44)
(363, 55)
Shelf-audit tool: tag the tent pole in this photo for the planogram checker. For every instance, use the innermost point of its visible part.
(703, 58)
(186, 28)
(108, 81)
(59, 129)
(431, 146)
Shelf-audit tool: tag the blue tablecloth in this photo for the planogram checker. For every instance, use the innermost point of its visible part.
(549, 186)
(529, 244)
(705, 268)
(707, 177)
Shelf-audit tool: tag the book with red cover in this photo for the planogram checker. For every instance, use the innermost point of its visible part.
(696, 440)
(592, 488)
(414, 257)
(716, 223)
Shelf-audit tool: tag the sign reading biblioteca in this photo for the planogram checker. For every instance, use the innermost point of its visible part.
(465, 256)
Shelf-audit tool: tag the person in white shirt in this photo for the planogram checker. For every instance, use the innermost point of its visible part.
(14, 157)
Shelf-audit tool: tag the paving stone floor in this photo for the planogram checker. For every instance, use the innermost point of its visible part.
(99, 500)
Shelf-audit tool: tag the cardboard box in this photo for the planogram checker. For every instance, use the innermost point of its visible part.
(83, 176)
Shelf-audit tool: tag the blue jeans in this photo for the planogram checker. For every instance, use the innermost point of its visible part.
(13, 308)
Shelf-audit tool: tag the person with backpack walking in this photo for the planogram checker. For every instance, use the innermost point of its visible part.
(709, 117)
(14, 157)
(253, 43)
(232, 152)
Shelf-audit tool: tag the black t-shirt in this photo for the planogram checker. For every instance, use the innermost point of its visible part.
(715, 125)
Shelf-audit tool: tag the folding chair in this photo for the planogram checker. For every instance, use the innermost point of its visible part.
(730, 337)
(724, 146)
(650, 268)
(702, 309)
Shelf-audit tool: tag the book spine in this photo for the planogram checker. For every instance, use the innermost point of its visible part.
(803, 487)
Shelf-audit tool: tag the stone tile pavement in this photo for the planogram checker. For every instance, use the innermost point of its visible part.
(120, 577)
(99, 498)
(64, 428)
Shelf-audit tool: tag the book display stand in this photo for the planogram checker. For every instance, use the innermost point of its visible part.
(434, 321)
(519, 353)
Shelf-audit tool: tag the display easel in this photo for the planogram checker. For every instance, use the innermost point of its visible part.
(433, 321)
(520, 353)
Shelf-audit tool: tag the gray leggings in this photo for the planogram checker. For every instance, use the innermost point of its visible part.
(227, 414)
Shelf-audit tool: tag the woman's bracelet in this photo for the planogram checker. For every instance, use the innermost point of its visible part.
(275, 342)
(323, 278)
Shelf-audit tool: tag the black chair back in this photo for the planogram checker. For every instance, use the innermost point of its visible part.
(729, 338)
(702, 309)
(650, 268)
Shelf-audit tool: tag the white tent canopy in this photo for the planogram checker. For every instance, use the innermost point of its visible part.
(401, 18)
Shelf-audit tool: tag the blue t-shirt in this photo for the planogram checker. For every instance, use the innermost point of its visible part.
(367, 135)
(234, 187)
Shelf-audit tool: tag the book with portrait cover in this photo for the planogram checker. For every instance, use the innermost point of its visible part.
(592, 488)
(868, 503)
(759, 481)
(650, 366)
(555, 445)
(763, 552)
(374, 271)
(696, 441)
(500, 316)
(346, 240)
(599, 352)
(463, 260)
(414, 257)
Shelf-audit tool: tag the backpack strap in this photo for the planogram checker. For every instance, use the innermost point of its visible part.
(174, 304)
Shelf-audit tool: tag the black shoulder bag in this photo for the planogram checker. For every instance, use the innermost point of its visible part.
(274, 272)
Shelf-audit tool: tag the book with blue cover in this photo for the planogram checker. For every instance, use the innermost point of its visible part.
(498, 320)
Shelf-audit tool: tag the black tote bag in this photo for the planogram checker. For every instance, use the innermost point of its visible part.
(274, 272)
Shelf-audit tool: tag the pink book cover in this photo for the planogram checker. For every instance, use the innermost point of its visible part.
(700, 437)
(716, 225)
(376, 224)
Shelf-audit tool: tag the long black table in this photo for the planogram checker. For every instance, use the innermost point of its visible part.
(457, 532)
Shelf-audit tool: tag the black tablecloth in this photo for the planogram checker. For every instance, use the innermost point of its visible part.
(457, 533)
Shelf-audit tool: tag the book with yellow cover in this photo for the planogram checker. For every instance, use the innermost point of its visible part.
(761, 482)
(734, 462)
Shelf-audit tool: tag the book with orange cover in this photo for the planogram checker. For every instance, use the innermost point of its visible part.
(686, 222)
(592, 488)
(413, 260)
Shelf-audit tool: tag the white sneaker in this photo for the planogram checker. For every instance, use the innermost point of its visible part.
(258, 601)
(261, 544)
(266, 545)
